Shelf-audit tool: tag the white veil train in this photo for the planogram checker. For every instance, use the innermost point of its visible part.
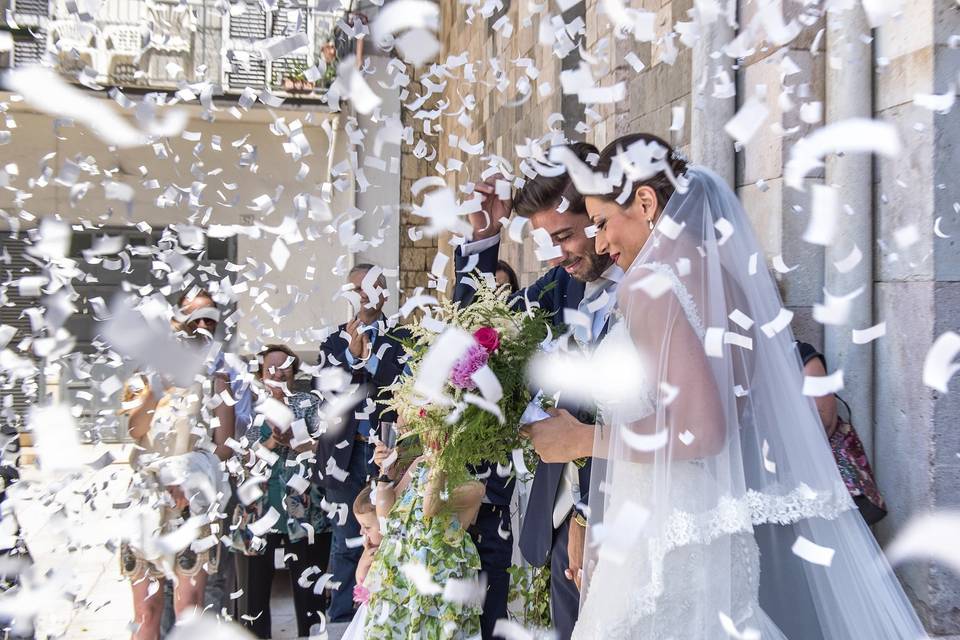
(716, 508)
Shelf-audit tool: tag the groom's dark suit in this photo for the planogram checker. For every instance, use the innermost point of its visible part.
(540, 543)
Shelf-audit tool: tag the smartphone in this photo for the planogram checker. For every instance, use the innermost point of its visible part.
(388, 434)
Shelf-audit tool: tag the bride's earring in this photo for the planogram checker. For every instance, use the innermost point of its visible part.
(650, 223)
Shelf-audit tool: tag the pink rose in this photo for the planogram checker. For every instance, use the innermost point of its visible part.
(360, 594)
(488, 338)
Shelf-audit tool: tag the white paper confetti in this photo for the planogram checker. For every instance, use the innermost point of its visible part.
(420, 577)
(939, 364)
(818, 386)
(748, 120)
(812, 552)
(863, 336)
(824, 209)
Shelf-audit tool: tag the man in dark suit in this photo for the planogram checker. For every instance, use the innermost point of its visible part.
(553, 526)
(374, 359)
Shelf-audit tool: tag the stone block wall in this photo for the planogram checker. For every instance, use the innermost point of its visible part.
(416, 255)
(918, 290)
(492, 121)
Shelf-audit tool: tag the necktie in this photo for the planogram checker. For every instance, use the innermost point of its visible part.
(569, 492)
(586, 335)
(364, 426)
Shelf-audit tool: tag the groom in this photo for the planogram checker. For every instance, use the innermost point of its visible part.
(554, 526)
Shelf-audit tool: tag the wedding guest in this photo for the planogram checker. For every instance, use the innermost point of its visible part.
(291, 494)
(848, 449)
(371, 352)
(365, 511)
(815, 364)
(426, 526)
(197, 318)
(506, 275)
(553, 528)
(173, 466)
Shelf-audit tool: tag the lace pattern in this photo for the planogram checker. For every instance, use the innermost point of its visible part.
(740, 515)
(681, 292)
(687, 535)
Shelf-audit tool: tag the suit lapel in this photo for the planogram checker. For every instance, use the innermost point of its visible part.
(573, 293)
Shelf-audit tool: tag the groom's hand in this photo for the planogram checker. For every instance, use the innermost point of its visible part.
(486, 223)
(560, 438)
(576, 537)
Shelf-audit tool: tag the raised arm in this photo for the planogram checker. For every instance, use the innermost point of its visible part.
(463, 500)
(485, 242)
(139, 415)
(226, 417)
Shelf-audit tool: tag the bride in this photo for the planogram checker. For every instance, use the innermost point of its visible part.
(717, 445)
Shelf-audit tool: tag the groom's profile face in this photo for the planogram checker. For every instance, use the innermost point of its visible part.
(578, 254)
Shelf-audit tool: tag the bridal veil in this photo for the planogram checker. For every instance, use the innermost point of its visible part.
(715, 506)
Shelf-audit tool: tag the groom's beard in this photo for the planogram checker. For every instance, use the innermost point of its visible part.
(592, 265)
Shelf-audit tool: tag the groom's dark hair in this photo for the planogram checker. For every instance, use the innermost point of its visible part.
(546, 192)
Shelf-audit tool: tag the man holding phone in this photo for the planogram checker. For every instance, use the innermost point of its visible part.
(372, 353)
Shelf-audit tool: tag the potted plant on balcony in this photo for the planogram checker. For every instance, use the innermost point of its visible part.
(329, 54)
(295, 80)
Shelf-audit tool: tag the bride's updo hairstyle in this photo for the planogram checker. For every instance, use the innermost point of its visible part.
(637, 160)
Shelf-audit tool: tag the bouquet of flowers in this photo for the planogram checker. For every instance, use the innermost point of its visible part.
(469, 413)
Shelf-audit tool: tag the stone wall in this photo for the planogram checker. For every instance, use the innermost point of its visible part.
(416, 255)
(501, 128)
(918, 289)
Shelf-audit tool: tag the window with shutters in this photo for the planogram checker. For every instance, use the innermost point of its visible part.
(251, 24)
(17, 394)
(32, 7)
(28, 48)
(89, 369)
(244, 35)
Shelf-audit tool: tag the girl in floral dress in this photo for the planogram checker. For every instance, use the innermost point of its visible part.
(425, 545)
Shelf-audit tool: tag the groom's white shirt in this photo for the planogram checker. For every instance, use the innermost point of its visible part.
(569, 492)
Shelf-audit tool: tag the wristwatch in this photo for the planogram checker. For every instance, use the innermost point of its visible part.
(579, 519)
(384, 478)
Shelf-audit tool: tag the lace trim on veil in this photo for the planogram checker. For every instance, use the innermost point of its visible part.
(740, 515)
(731, 517)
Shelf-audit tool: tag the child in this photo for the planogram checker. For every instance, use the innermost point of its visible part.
(425, 544)
(366, 513)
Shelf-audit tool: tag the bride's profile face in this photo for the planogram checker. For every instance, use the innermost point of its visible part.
(622, 231)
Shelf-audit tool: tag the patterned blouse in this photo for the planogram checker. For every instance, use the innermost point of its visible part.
(296, 508)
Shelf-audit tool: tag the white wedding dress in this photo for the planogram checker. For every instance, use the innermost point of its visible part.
(705, 535)
(715, 506)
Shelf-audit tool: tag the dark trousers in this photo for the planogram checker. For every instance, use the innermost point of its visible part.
(495, 556)
(258, 581)
(344, 559)
(564, 595)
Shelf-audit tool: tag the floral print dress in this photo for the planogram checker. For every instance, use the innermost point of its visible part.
(397, 610)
